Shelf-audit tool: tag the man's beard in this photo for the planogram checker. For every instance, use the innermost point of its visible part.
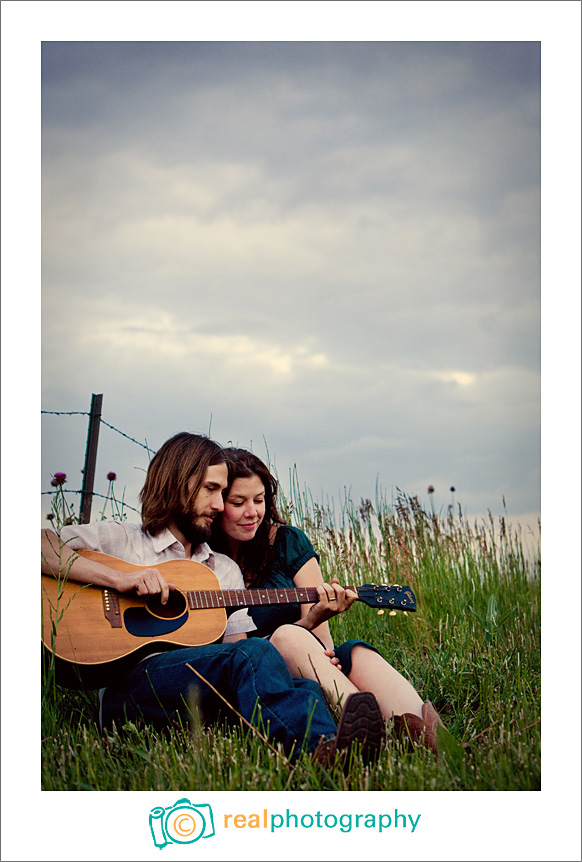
(195, 531)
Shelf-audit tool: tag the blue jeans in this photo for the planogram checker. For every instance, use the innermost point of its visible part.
(250, 674)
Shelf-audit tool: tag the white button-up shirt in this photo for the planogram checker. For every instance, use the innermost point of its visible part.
(128, 542)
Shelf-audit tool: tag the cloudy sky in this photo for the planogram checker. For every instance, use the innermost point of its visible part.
(330, 249)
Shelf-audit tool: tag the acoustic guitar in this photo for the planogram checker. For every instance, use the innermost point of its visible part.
(96, 633)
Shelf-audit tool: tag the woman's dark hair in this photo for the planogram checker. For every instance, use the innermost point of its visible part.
(166, 486)
(254, 556)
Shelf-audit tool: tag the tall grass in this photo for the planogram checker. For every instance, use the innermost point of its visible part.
(472, 647)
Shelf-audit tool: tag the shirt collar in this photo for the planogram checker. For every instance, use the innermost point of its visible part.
(166, 539)
(203, 553)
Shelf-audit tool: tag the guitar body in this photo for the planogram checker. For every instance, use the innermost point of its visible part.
(95, 633)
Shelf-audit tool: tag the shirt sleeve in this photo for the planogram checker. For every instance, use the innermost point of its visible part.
(292, 550)
(107, 537)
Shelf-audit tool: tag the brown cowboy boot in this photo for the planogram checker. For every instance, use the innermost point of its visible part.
(361, 722)
(420, 729)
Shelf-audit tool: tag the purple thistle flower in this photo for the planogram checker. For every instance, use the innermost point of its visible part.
(59, 479)
(112, 476)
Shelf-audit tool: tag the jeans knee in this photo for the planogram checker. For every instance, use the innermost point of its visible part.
(257, 660)
(259, 646)
(257, 649)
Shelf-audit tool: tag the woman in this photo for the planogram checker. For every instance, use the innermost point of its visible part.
(272, 554)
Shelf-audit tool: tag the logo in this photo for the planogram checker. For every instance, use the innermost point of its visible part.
(183, 823)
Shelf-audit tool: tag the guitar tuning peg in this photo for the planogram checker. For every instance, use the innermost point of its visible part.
(392, 614)
(405, 613)
(380, 613)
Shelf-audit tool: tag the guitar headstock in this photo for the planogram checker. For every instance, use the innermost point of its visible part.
(387, 596)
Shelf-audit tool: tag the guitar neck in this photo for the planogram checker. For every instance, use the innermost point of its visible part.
(393, 597)
(204, 599)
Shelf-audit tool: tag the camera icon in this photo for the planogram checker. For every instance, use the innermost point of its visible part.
(183, 823)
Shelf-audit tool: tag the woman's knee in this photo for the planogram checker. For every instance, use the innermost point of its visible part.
(290, 638)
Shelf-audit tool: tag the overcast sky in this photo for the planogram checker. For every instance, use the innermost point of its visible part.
(333, 247)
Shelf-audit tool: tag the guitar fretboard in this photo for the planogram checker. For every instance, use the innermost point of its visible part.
(199, 599)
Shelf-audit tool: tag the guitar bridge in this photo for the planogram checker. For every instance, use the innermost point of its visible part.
(111, 609)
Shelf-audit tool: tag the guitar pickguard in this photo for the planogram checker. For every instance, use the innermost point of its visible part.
(140, 623)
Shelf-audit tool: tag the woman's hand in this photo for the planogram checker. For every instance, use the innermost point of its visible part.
(331, 655)
(333, 599)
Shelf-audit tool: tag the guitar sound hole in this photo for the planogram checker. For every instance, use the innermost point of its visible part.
(175, 606)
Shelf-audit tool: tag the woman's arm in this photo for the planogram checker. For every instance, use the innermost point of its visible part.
(334, 599)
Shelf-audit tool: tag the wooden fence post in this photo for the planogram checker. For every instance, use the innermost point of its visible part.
(90, 459)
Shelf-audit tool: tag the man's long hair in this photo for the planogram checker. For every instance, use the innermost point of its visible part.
(253, 557)
(166, 486)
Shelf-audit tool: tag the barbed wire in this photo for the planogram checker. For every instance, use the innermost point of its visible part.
(113, 428)
(102, 421)
(95, 494)
(144, 446)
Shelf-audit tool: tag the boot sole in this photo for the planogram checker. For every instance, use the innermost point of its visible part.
(362, 722)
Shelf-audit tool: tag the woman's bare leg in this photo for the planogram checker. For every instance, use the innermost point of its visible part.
(305, 657)
(395, 695)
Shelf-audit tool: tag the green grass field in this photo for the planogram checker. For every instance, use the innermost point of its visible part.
(472, 647)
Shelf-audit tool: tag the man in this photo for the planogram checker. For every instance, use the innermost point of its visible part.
(181, 496)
